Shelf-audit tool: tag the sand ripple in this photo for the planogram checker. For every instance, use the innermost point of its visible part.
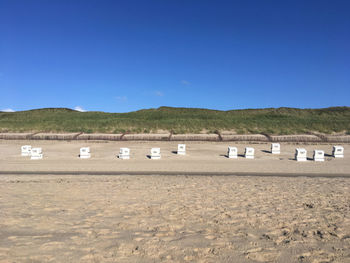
(174, 219)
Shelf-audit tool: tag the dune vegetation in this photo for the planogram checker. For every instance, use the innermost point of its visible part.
(181, 120)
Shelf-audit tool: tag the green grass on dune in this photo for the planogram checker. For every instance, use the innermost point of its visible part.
(180, 120)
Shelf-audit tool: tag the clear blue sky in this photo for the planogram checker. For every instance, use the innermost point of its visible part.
(120, 56)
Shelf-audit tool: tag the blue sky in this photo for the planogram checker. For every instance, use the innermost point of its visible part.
(120, 56)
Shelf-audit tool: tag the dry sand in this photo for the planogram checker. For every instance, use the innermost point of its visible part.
(157, 218)
(202, 157)
(80, 218)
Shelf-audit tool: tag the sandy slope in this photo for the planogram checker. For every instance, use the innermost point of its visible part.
(201, 157)
(174, 219)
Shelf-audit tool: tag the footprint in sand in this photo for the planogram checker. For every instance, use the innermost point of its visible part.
(52, 245)
(261, 255)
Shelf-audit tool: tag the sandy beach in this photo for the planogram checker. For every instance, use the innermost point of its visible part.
(201, 158)
(82, 217)
(174, 219)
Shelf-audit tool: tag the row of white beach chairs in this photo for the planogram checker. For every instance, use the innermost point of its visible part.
(232, 152)
(318, 156)
(124, 153)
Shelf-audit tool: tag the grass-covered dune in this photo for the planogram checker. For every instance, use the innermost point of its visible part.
(181, 120)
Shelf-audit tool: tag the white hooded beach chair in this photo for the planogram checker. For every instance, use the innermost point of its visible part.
(318, 156)
(338, 151)
(275, 148)
(300, 155)
(232, 152)
(124, 153)
(181, 149)
(36, 154)
(249, 153)
(155, 153)
(26, 150)
(85, 153)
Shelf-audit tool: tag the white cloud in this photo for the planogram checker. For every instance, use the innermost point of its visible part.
(185, 82)
(122, 98)
(79, 108)
(159, 93)
(8, 110)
